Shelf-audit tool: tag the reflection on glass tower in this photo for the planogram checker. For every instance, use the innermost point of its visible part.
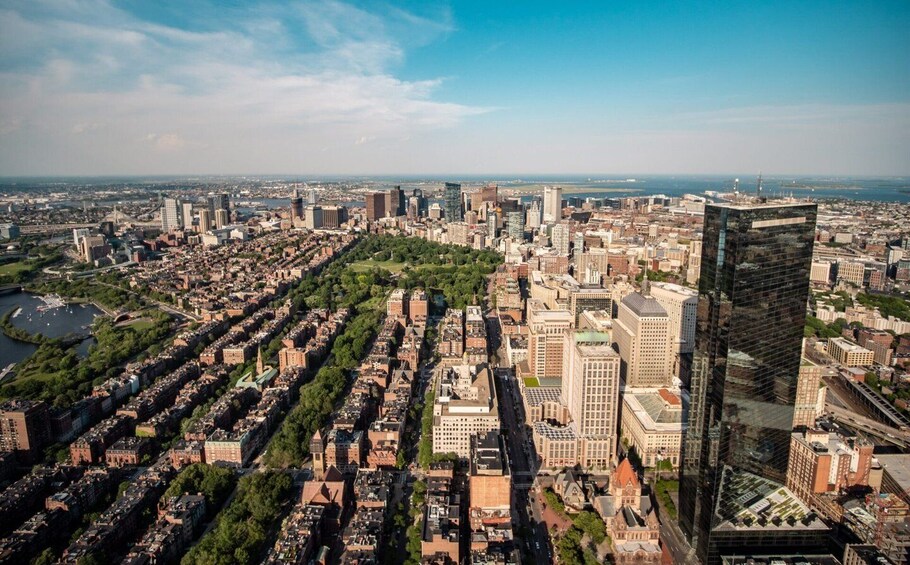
(452, 201)
(753, 289)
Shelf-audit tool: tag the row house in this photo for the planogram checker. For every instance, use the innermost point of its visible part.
(179, 520)
(89, 448)
(121, 520)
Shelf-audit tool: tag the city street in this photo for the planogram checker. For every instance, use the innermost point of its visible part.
(522, 460)
(672, 538)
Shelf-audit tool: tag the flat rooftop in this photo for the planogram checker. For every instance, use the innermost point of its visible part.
(780, 560)
(750, 502)
(751, 202)
(898, 466)
(848, 346)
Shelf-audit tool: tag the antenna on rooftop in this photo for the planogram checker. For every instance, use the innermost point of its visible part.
(645, 285)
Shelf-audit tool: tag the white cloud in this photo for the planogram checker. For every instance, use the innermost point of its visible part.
(311, 87)
(241, 94)
(83, 127)
(166, 141)
(11, 125)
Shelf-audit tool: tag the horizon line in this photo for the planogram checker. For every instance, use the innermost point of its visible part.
(628, 177)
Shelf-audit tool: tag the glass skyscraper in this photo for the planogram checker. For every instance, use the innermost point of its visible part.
(517, 225)
(452, 202)
(219, 202)
(753, 289)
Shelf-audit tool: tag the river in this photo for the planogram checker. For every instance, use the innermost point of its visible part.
(57, 322)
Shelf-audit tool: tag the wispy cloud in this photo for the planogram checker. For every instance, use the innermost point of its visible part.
(794, 115)
(261, 88)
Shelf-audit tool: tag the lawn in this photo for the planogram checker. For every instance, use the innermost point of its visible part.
(664, 488)
(140, 324)
(367, 264)
(531, 382)
(15, 268)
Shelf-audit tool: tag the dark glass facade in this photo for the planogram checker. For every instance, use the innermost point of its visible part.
(395, 202)
(751, 313)
(452, 202)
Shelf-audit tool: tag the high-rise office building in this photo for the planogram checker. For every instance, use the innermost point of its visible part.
(394, 202)
(681, 304)
(375, 202)
(92, 247)
(754, 282)
(79, 233)
(452, 200)
(187, 215)
(546, 329)
(311, 197)
(552, 204)
(107, 228)
(296, 205)
(334, 216)
(490, 193)
(418, 206)
(534, 214)
(222, 218)
(171, 215)
(312, 217)
(693, 265)
(205, 220)
(810, 396)
(641, 331)
(590, 387)
(589, 393)
(517, 225)
(219, 201)
(560, 237)
(493, 222)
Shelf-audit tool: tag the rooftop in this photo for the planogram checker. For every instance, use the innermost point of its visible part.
(644, 306)
(673, 287)
(488, 455)
(898, 466)
(780, 560)
(752, 502)
(659, 409)
(549, 431)
(747, 202)
(537, 395)
(848, 346)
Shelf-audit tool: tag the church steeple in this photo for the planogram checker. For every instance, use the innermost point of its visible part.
(260, 366)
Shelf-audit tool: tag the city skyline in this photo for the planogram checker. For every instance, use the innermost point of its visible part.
(485, 379)
(454, 282)
(97, 88)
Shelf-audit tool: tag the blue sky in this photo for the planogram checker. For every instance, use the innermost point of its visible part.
(139, 87)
